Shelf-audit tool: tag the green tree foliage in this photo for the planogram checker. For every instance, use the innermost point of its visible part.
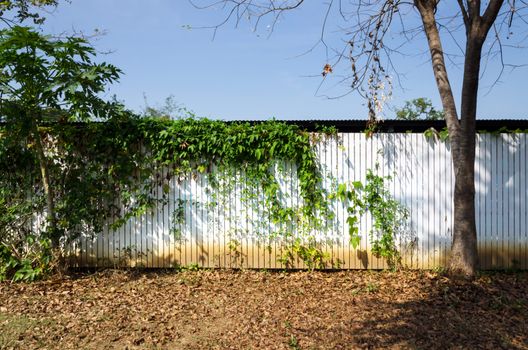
(419, 108)
(24, 9)
(43, 79)
(170, 109)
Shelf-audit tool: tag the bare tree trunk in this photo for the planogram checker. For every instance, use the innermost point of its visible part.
(48, 191)
(464, 253)
(462, 133)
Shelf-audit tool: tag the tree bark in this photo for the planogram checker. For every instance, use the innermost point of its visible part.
(462, 133)
(464, 251)
(46, 184)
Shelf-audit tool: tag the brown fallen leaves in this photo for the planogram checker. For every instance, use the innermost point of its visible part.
(224, 309)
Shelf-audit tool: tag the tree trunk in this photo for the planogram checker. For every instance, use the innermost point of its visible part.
(464, 252)
(48, 192)
(464, 258)
(462, 134)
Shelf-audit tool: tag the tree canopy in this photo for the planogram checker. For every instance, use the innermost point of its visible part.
(419, 108)
(21, 10)
(44, 79)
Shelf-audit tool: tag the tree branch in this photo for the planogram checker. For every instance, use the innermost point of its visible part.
(427, 12)
(491, 14)
(465, 16)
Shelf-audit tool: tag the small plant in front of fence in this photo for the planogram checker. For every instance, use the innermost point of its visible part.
(235, 254)
(372, 287)
(26, 260)
(308, 251)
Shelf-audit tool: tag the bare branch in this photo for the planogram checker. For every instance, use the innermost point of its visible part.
(465, 16)
(491, 13)
(373, 31)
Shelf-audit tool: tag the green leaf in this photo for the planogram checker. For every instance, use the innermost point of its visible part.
(358, 185)
(444, 134)
(355, 240)
(430, 133)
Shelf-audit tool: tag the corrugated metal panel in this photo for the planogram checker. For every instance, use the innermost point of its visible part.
(350, 125)
(222, 230)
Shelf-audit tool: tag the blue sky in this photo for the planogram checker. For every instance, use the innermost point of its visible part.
(243, 74)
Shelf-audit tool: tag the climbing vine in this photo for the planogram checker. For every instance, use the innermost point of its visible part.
(104, 173)
(389, 216)
(110, 171)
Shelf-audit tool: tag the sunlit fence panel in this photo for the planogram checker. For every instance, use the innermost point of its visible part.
(229, 226)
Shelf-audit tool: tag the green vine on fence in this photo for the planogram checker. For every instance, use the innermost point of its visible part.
(72, 163)
(122, 168)
(199, 145)
(114, 170)
(443, 134)
(389, 216)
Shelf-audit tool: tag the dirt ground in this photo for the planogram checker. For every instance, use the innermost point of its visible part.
(223, 309)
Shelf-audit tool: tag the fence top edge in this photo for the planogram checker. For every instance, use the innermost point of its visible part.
(385, 126)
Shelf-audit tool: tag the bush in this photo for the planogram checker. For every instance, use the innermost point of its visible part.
(26, 260)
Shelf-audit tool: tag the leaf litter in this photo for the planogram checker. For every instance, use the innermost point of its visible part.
(227, 309)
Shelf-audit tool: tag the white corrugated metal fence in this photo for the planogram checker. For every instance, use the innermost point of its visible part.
(218, 229)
